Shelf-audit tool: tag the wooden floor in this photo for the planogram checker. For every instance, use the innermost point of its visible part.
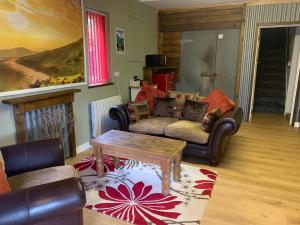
(258, 179)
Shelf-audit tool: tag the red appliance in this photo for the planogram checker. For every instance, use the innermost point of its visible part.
(165, 81)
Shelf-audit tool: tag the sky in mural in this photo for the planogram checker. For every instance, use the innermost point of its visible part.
(39, 25)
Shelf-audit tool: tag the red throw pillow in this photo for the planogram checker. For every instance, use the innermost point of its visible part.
(4, 186)
(148, 93)
(217, 99)
(140, 97)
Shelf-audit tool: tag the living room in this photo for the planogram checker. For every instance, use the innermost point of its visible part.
(209, 47)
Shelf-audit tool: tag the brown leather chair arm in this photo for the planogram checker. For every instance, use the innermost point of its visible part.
(222, 129)
(31, 156)
(39, 203)
(120, 114)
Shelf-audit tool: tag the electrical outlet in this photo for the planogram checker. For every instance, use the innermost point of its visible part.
(117, 74)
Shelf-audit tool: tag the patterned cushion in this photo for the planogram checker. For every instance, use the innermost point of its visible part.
(180, 98)
(4, 186)
(2, 160)
(217, 99)
(194, 111)
(150, 92)
(187, 131)
(152, 125)
(209, 119)
(164, 107)
(138, 111)
(42, 176)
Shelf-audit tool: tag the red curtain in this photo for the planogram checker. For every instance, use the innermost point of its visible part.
(97, 52)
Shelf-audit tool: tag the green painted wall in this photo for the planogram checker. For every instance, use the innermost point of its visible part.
(140, 24)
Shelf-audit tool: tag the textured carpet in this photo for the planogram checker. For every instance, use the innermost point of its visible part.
(132, 192)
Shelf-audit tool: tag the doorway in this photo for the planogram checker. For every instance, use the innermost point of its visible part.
(276, 71)
(270, 85)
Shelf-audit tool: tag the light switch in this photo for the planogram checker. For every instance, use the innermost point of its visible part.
(117, 74)
(220, 36)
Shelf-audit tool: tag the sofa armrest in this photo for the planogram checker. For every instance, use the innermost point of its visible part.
(39, 203)
(31, 156)
(222, 129)
(120, 114)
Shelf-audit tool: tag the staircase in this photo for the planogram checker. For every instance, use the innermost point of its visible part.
(271, 72)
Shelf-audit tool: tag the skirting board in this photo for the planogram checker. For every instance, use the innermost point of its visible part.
(84, 147)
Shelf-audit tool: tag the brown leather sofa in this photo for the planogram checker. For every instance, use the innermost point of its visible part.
(218, 139)
(55, 203)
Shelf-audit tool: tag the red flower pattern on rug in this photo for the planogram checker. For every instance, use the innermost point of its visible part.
(132, 192)
(138, 206)
(206, 185)
(90, 162)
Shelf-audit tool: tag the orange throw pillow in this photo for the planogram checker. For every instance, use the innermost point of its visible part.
(217, 99)
(148, 93)
(4, 186)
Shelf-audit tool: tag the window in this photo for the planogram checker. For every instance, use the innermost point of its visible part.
(97, 48)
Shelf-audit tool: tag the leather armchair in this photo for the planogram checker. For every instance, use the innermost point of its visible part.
(55, 203)
(211, 152)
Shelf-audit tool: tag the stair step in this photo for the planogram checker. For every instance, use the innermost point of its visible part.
(274, 84)
(260, 92)
(270, 75)
(275, 60)
(266, 109)
(264, 53)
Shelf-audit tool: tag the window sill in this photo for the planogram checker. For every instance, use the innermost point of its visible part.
(101, 85)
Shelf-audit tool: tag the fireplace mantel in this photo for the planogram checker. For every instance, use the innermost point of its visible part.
(21, 105)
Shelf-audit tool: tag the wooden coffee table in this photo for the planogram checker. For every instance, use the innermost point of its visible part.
(145, 148)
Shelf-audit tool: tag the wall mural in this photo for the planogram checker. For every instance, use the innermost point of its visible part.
(41, 44)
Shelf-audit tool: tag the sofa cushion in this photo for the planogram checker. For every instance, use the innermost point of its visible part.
(138, 111)
(4, 186)
(217, 99)
(180, 98)
(209, 119)
(150, 93)
(2, 160)
(187, 131)
(194, 111)
(152, 125)
(43, 176)
(164, 107)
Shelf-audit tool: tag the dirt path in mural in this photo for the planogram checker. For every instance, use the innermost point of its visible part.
(30, 74)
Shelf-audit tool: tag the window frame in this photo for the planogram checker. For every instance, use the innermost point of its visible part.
(108, 48)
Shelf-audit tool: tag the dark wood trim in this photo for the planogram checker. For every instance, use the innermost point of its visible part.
(21, 105)
(33, 98)
(240, 55)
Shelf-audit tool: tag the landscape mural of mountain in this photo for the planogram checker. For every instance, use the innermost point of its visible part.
(62, 65)
(15, 52)
(42, 46)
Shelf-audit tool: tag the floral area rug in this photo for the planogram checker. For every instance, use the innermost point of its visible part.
(132, 192)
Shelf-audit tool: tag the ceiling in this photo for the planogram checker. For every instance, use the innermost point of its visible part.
(179, 4)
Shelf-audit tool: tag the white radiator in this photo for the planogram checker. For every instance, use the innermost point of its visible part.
(101, 122)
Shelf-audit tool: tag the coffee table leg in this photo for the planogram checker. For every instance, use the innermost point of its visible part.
(99, 161)
(116, 161)
(176, 168)
(166, 170)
